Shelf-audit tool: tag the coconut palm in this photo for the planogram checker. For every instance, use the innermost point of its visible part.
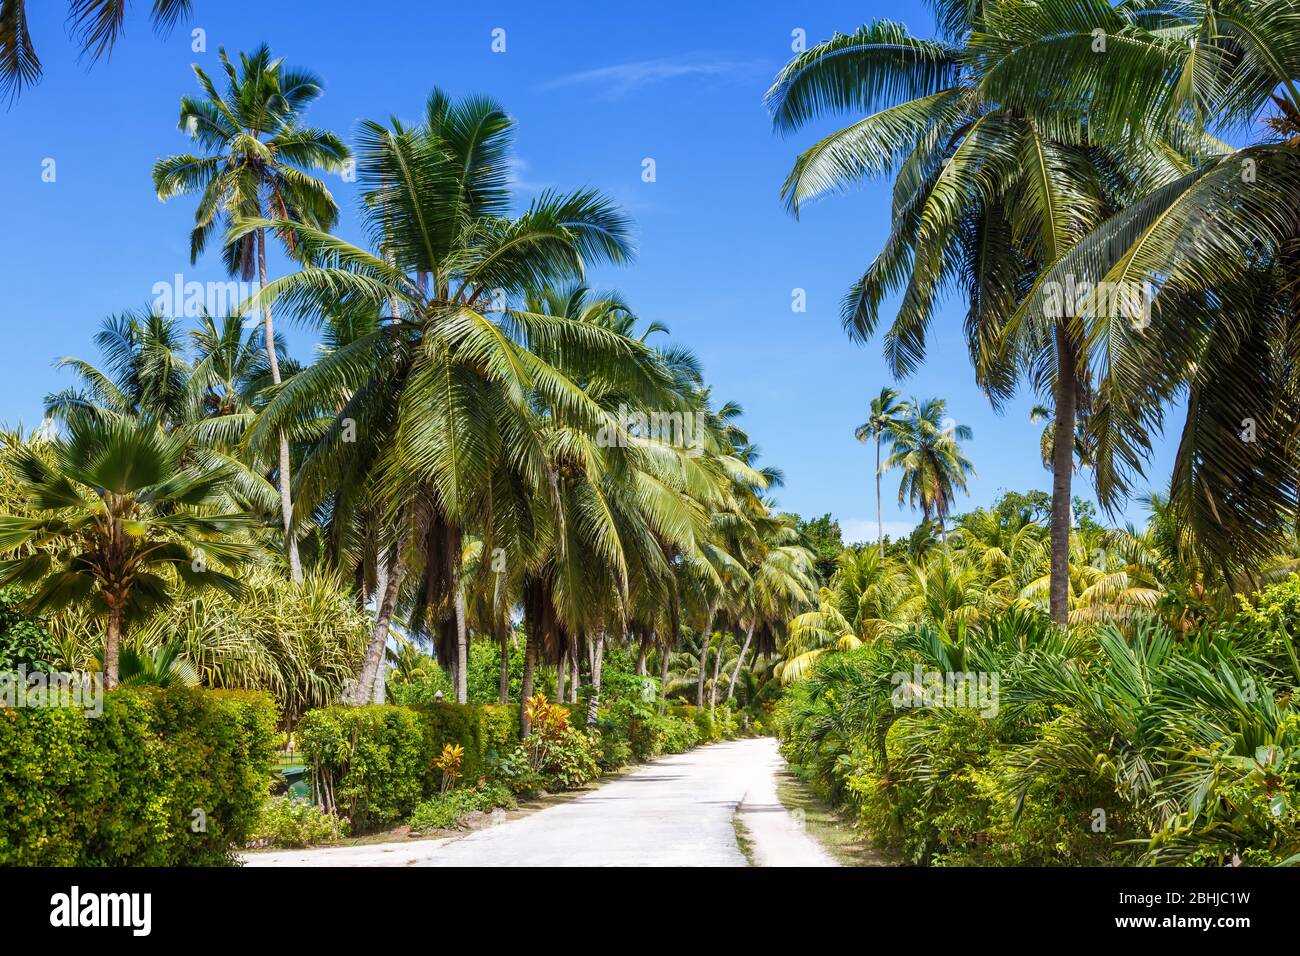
(435, 417)
(925, 446)
(986, 195)
(145, 373)
(886, 410)
(118, 520)
(1216, 247)
(95, 25)
(256, 163)
(205, 397)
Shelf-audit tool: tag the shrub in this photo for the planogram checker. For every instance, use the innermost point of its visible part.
(369, 764)
(161, 778)
(652, 735)
(286, 822)
(444, 811)
(23, 640)
(373, 764)
(563, 757)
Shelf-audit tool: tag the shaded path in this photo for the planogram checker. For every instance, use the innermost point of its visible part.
(675, 811)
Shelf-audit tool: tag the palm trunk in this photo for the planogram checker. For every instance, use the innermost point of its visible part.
(880, 515)
(735, 673)
(717, 666)
(374, 659)
(704, 656)
(503, 682)
(561, 676)
(640, 656)
(1062, 473)
(526, 686)
(381, 588)
(112, 645)
(462, 648)
(663, 675)
(286, 497)
(574, 677)
(597, 661)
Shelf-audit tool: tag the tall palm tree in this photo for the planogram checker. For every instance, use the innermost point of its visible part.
(886, 410)
(118, 519)
(95, 25)
(1217, 246)
(256, 163)
(928, 451)
(986, 196)
(435, 405)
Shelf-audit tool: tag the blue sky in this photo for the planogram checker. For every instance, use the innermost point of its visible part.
(596, 89)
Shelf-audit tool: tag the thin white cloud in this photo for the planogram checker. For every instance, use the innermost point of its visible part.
(623, 78)
(519, 180)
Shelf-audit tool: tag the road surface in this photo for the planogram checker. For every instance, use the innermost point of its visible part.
(675, 811)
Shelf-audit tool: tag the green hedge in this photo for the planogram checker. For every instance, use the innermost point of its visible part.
(374, 764)
(121, 789)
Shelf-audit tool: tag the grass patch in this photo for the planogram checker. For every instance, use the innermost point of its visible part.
(832, 829)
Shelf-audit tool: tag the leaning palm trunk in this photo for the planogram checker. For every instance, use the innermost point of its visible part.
(597, 661)
(1062, 471)
(286, 497)
(740, 660)
(373, 663)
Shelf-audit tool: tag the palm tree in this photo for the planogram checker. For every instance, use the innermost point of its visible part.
(926, 448)
(256, 162)
(145, 373)
(94, 24)
(886, 410)
(987, 194)
(118, 518)
(435, 417)
(1216, 247)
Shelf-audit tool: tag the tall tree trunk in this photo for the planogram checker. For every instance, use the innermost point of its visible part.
(880, 514)
(717, 666)
(530, 666)
(574, 678)
(1062, 473)
(663, 674)
(503, 682)
(561, 676)
(643, 641)
(112, 645)
(597, 662)
(704, 657)
(462, 647)
(374, 659)
(381, 588)
(735, 673)
(286, 496)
